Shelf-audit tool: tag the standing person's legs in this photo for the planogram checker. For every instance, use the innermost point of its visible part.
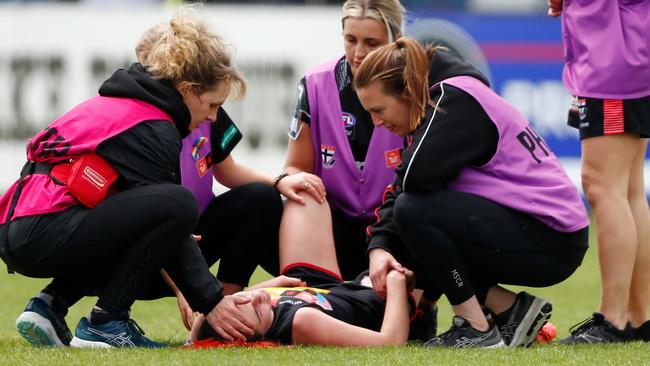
(240, 228)
(606, 170)
(640, 286)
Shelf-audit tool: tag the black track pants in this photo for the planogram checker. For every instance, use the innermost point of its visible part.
(240, 228)
(117, 249)
(466, 244)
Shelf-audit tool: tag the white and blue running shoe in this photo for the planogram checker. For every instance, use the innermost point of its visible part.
(40, 325)
(123, 332)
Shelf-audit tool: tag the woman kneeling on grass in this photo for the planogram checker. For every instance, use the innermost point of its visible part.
(113, 244)
(327, 311)
(479, 198)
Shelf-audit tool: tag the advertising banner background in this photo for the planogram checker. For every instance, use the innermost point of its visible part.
(55, 55)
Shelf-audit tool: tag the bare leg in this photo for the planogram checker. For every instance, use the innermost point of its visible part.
(606, 166)
(499, 299)
(306, 235)
(640, 288)
(471, 311)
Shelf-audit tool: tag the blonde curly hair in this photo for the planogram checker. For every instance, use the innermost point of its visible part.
(187, 49)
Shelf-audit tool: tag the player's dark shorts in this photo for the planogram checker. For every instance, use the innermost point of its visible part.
(314, 276)
(600, 117)
(319, 277)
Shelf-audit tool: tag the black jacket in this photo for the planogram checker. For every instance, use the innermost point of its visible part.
(147, 153)
(461, 134)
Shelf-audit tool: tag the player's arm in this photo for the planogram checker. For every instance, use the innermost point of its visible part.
(187, 314)
(280, 281)
(312, 326)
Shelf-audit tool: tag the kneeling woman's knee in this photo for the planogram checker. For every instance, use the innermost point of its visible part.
(179, 203)
(263, 196)
(405, 213)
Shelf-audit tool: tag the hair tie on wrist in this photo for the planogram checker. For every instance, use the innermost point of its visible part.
(277, 180)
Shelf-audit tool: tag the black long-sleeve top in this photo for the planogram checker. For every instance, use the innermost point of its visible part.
(460, 134)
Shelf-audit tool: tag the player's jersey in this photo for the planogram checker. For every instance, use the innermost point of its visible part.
(351, 303)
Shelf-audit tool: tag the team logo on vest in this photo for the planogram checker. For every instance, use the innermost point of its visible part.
(327, 153)
(393, 158)
(582, 108)
(348, 123)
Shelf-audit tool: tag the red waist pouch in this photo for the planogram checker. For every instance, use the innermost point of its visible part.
(88, 178)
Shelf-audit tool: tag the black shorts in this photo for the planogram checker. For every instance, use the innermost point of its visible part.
(599, 117)
(350, 243)
(314, 276)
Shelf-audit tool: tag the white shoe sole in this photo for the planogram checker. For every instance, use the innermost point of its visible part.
(37, 330)
(538, 314)
(80, 343)
(501, 344)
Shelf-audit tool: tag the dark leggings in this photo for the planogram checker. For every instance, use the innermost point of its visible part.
(116, 250)
(466, 244)
(350, 243)
(241, 229)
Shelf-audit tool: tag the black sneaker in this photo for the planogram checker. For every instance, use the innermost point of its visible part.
(462, 335)
(642, 333)
(597, 330)
(519, 324)
(40, 325)
(424, 323)
(123, 332)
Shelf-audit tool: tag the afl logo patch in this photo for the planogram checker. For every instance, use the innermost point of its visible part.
(348, 120)
(348, 123)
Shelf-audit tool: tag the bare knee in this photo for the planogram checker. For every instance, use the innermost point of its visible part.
(597, 189)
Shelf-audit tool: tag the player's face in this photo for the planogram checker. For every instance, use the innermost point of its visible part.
(360, 37)
(386, 110)
(259, 311)
(203, 107)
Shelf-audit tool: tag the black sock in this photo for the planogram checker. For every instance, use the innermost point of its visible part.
(54, 301)
(101, 316)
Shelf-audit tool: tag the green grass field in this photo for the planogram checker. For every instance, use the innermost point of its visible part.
(573, 301)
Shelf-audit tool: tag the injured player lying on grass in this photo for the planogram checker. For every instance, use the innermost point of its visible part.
(310, 304)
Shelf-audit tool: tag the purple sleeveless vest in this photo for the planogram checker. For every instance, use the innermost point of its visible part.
(524, 174)
(196, 162)
(607, 48)
(356, 193)
(76, 133)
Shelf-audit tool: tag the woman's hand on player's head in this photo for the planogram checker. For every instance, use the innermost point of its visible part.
(228, 320)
